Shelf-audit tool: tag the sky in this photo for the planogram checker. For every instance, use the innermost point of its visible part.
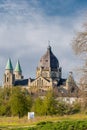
(26, 26)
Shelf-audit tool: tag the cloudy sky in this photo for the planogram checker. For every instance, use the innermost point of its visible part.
(26, 26)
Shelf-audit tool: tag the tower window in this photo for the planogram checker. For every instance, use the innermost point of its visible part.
(7, 79)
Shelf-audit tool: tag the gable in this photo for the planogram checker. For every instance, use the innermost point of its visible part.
(40, 81)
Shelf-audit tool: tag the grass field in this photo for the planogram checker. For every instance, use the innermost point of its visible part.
(24, 123)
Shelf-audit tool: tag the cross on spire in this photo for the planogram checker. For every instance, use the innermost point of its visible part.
(48, 42)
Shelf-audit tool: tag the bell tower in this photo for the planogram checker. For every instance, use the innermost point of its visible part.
(18, 71)
(8, 75)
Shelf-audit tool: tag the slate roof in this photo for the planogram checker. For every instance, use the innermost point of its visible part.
(9, 65)
(62, 82)
(49, 60)
(22, 82)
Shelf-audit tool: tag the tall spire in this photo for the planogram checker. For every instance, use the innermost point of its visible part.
(18, 67)
(9, 65)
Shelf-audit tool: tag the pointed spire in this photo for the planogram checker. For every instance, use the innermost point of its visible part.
(18, 67)
(9, 65)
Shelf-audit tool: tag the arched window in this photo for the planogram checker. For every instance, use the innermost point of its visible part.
(7, 79)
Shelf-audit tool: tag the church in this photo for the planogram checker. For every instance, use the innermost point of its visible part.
(48, 72)
(48, 75)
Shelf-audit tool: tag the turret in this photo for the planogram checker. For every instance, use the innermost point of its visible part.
(8, 75)
(18, 71)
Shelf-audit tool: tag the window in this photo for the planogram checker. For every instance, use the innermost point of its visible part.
(7, 79)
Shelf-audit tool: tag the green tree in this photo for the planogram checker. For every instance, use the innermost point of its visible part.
(76, 107)
(29, 102)
(50, 104)
(4, 101)
(62, 108)
(18, 102)
(5, 93)
(5, 109)
(38, 107)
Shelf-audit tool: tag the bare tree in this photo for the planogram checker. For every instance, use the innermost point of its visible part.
(79, 46)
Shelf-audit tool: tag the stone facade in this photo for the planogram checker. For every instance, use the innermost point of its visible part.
(48, 76)
(48, 72)
(8, 78)
(10, 75)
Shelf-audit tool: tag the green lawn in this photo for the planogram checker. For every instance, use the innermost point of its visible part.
(45, 123)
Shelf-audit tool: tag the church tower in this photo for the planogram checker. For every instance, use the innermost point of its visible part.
(18, 71)
(49, 68)
(8, 75)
